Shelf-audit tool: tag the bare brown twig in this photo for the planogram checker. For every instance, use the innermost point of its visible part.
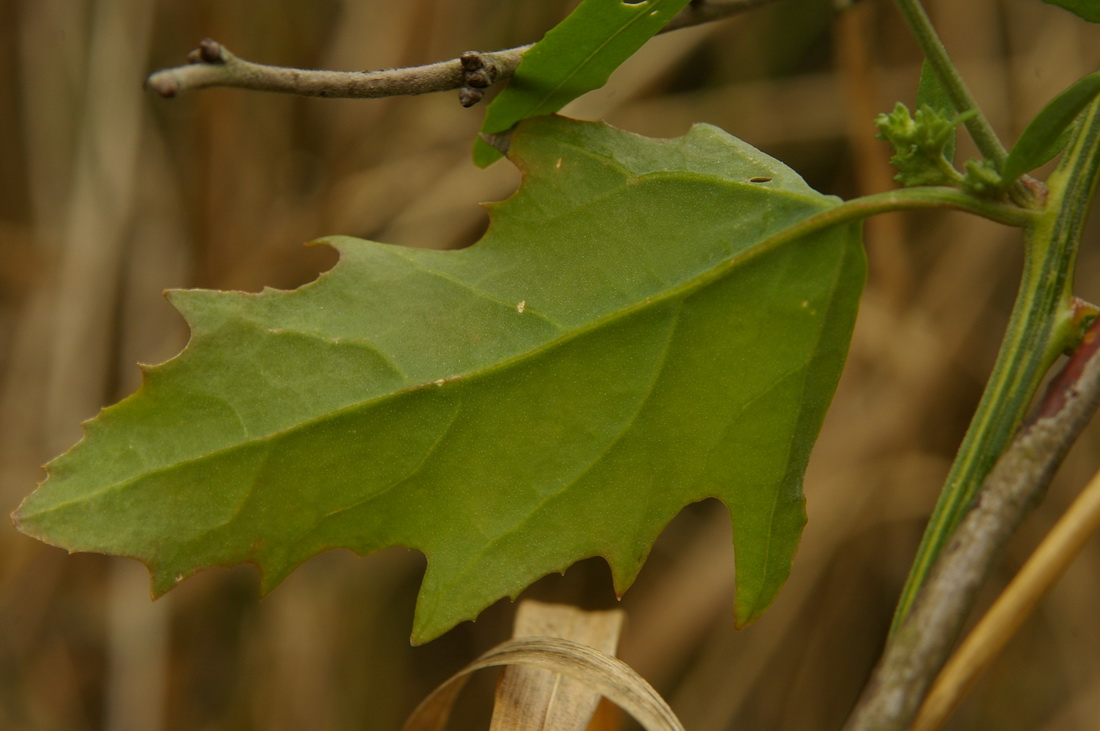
(921, 645)
(211, 64)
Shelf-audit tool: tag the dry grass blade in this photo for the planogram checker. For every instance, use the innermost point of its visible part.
(603, 673)
(1049, 561)
(529, 697)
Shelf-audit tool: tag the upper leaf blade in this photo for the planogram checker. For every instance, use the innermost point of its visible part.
(574, 57)
(1045, 135)
(627, 338)
(1087, 9)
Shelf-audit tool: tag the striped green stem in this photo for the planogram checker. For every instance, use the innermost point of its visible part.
(1040, 328)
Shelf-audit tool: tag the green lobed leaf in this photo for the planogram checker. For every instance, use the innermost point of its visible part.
(1047, 133)
(1086, 9)
(632, 334)
(574, 57)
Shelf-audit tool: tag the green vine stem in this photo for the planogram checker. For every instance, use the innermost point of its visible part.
(1041, 327)
(912, 199)
(977, 125)
(981, 131)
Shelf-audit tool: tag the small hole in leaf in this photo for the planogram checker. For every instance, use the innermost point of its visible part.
(759, 179)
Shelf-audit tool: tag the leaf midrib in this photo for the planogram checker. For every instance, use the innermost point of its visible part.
(680, 290)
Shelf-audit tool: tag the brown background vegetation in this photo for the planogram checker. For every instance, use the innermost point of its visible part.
(110, 195)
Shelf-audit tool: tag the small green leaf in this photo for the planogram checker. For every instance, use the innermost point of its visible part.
(1087, 9)
(574, 57)
(931, 94)
(1046, 135)
(634, 333)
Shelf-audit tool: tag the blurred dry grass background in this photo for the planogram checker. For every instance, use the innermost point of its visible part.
(110, 196)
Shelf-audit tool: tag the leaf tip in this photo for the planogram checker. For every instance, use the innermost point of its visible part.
(333, 241)
(16, 519)
(162, 582)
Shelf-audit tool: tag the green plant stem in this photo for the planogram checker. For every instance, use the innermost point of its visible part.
(921, 646)
(952, 82)
(911, 199)
(981, 131)
(1041, 327)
